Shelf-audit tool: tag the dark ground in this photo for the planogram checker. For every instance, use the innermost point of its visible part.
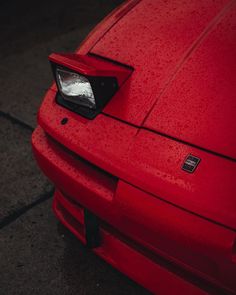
(37, 254)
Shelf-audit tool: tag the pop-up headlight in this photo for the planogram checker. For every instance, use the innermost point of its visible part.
(86, 83)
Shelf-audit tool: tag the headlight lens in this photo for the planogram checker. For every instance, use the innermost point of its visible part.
(75, 88)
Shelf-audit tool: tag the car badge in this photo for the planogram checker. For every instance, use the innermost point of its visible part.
(190, 163)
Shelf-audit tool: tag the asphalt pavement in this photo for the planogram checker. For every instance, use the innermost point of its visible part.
(37, 254)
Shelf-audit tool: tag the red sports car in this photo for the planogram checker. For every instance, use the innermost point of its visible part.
(138, 134)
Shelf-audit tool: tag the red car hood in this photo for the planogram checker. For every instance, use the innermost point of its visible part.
(183, 84)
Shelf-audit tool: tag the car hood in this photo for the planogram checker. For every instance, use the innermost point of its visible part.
(183, 84)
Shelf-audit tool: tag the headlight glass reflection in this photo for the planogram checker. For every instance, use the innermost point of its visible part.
(75, 88)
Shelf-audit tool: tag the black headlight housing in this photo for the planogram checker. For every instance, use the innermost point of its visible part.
(86, 83)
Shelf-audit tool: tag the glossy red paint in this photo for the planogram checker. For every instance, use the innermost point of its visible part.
(91, 66)
(104, 26)
(155, 39)
(117, 252)
(162, 229)
(203, 92)
(154, 161)
(171, 231)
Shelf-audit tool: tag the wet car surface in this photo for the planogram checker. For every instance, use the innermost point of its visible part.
(29, 32)
(143, 161)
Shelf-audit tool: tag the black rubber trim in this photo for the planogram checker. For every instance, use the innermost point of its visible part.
(83, 111)
(92, 233)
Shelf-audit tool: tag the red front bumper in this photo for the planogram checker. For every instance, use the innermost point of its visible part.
(122, 255)
(135, 226)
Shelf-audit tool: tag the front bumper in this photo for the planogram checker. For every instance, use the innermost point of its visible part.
(122, 255)
(147, 239)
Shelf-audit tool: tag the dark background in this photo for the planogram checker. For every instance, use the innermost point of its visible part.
(37, 254)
